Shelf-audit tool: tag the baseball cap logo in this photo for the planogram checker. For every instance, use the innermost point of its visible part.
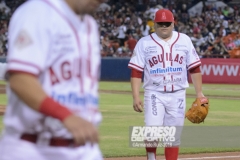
(164, 15)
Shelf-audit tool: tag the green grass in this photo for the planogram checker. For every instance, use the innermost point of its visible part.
(118, 115)
(3, 99)
(2, 82)
(1, 124)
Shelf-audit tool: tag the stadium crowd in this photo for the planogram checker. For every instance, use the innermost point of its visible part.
(215, 32)
(7, 7)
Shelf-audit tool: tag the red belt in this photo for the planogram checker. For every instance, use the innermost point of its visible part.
(55, 142)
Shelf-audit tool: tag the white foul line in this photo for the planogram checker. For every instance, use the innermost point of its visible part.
(219, 157)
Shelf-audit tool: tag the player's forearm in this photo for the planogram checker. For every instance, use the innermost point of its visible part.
(136, 84)
(197, 82)
(28, 89)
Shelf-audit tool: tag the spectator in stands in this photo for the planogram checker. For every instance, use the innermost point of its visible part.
(210, 38)
(3, 41)
(131, 29)
(196, 29)
(130, 43)
(222, 31)
(150, 23)
(121, 35)
(1, 48)
(225, 11)
(104, 7)
(237, 41)
(230, 44)
(145, 29)
(119, 18)
(107, 49)
(5, 10)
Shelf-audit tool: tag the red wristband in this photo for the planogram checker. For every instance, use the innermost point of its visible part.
(52, 108)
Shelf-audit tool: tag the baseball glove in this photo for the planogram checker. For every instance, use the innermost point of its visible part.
(199, 110)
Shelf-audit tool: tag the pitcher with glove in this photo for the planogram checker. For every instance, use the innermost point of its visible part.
(163, 58)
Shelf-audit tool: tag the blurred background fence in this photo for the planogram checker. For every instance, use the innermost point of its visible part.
(214, 70)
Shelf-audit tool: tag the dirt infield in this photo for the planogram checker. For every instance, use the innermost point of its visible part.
(202, 156)
(188, 95)
(2, 110)
(2, 89)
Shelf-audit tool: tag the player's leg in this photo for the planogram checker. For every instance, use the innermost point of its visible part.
(13, 148)
(154, 114)
(175, 111)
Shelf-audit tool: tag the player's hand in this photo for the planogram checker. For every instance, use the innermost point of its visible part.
(137, 105)
(200, 95)
(82, 130)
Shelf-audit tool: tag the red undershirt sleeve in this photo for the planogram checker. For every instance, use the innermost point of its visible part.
(135, 73)
(195, 70)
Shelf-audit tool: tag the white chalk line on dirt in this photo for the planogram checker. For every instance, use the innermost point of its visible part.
(216, 157)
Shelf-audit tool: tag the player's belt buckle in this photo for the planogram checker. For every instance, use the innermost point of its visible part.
(54, 142)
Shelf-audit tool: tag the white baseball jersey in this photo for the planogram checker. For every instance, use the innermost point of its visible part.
(165, 64)
(62, 51)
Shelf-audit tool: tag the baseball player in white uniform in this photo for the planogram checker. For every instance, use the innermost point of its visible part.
(165, 57)
(52, 72)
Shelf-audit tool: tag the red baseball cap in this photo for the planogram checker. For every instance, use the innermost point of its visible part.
(164, 15)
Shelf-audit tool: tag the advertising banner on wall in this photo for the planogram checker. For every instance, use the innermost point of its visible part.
(216, 70)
